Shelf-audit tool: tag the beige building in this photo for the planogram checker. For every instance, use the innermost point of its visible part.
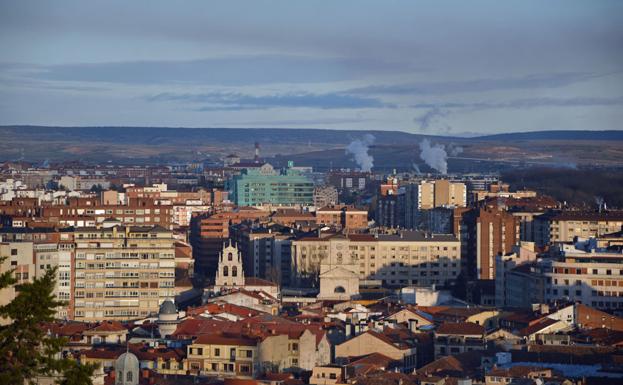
(20, 257)
(374, 342)
(502, 190)
(404, 258)
(223, 356)
(565, 226)
(241, 356)
(441, 193)
(59, 255)
(230, 273)
(122, 273)
(592, 278)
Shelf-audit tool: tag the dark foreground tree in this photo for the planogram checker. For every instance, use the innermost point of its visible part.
(26, 350)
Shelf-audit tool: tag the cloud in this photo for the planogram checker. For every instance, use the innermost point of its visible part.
(231, 70)
(535, 81)
(525, 103)
(232, 101)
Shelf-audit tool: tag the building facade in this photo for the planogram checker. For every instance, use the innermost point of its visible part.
(122, 273)
(404, 258)
(265, 185)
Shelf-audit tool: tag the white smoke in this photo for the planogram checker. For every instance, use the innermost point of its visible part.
(435, 156)
(454, 150)
(359, 149)
(417, 169)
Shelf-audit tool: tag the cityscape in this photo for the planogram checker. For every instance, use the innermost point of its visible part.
(293, 193)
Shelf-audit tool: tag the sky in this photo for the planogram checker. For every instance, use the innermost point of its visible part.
(435, 67)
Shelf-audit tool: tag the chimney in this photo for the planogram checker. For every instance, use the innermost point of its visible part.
(257, 152)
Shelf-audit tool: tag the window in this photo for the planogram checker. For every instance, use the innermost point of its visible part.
(128, 376)
(339, 289)
(217, 352)
(234, 271)
(230, 257)
(225, 271)
(13, 251)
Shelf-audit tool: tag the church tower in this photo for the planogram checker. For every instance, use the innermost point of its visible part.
(229, 273)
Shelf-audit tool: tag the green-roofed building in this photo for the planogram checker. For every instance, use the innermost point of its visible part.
(265, 185)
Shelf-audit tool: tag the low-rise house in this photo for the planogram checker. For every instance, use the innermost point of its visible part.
(107, 332)
(402, 346)
(327, 375)
(257, 300)
(223, 355)
(412, 317)
(542, 326)
(499, 376)
(458, 337)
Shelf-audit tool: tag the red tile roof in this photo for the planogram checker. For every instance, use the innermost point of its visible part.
(222, 339)
(460, 328)
(537, 326)
(108, 326)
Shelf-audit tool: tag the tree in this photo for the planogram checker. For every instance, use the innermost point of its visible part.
(26, 350)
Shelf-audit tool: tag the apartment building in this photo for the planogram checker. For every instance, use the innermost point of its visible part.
(122, 272)
(59, 255)
(325, 196)
(453, 338)
(581, 273)
(266, 250)
(46, 248)
(343, 216)
(564, 226)
(592, 276)
(265, 185)
(209, 231)
(90, 212)
(349, 180)
(485, 233)
(223, 356)
(19, 257)
(501, 190)
(441, 193)
(399, 259)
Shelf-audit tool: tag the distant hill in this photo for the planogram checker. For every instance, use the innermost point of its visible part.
(556, 135)
(158, 135)
(318, 147)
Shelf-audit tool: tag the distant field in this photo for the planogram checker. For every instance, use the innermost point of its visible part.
(320, 148)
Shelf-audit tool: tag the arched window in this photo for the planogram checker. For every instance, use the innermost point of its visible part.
(234, 271)
(339, 289)
(128, 376)
(225, 271)
(230, 257)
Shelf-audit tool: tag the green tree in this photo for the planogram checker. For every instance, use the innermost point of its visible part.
(26, 349)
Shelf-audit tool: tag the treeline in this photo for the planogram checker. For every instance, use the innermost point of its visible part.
(579, 188)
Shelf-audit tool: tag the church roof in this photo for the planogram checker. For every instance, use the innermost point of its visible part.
(127, 362)
(168, 307)
(338, 272)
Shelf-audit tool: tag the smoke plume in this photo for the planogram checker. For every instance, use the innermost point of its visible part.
(417, 169)
(435, 156)
(454, 150)
(359, 149)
